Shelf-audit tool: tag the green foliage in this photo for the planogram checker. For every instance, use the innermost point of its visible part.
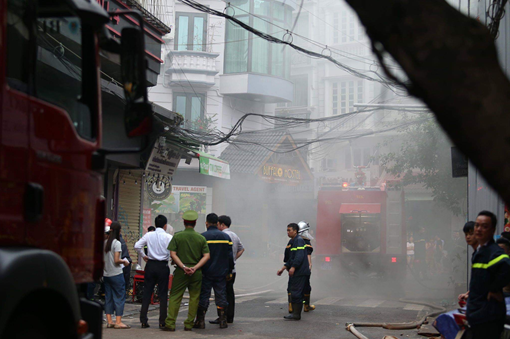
(424, 158)
(204, 125)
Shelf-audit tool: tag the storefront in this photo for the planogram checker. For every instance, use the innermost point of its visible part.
(267, 191)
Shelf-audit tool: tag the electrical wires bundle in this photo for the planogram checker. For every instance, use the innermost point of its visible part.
(326, 54)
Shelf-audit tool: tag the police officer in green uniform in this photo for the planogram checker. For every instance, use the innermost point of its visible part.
(189, 252)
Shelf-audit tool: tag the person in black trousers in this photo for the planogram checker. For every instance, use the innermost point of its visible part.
(296, 263)
(156, 269)
(126, 270)
(215, 272)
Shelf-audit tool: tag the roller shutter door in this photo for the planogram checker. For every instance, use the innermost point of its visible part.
(129, 208)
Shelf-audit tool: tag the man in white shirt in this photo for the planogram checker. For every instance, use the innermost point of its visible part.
(224, 223)
(156, 269)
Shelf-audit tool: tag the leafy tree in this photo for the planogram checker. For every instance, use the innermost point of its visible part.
(424, 158)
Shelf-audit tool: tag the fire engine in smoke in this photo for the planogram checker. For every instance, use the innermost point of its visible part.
(361, 229)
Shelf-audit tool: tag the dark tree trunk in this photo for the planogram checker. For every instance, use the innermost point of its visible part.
(452, 65)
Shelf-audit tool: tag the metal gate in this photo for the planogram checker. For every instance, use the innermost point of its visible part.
(128, 212)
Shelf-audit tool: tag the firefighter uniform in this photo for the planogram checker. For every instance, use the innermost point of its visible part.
(490, 272)
(190, 247)
(215, 273)
(296, 256)
(308, 288)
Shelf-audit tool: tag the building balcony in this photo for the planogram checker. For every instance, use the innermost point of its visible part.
(192, 68)
(257, 87)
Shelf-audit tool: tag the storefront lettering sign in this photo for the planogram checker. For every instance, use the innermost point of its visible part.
(214, 168)
(280, 174)
(164, 159)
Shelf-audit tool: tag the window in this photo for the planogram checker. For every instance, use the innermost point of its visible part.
(329, 165)
(191, 32)
(360, 157)
(245, 52)
(54, 66)
(344, 95)
(59, 75)
(190, 106)
(346, 27)
(17, 45)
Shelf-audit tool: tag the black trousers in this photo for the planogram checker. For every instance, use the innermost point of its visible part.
(489, 330)
(156, 272)
(296, 287)
(231, 298)
(219, 284)
(127, 275)
(308, 288)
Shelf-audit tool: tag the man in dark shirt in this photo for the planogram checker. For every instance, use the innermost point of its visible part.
(215, 272)
(296, 262)
(490, 272)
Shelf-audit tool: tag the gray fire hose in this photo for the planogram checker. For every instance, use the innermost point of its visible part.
(351, 327)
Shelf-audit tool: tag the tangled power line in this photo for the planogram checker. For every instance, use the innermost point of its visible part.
(325, 54)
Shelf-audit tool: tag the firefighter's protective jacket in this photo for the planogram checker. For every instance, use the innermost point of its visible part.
(220, 246)
(296, 256)
(308, 245)
(490, 272)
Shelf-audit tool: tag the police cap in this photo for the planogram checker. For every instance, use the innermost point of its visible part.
(190, 216)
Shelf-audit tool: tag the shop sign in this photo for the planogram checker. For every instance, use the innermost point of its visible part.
(163, 160)
(275, 173)
(215, 168)
(158, 190)
(182, 198)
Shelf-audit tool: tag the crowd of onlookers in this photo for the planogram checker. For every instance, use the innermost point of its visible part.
(203, 261)
(426, 254)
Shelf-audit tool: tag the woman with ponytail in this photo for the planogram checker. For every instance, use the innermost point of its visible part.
(114, 284)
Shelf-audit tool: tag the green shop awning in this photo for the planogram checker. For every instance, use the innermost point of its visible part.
(208, 165)
(213, 166)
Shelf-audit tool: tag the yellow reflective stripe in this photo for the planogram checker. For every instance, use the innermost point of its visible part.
(230, 243)
(297, 248)
(492, 262)
(218, 242)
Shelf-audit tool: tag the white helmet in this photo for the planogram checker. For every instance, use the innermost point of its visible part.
(303, 226)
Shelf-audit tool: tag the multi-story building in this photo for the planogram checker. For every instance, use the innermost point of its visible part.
(215, 71)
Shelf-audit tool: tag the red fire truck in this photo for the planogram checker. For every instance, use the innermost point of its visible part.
(360, 230)
(51, 163)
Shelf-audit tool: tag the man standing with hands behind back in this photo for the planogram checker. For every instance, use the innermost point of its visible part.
(190, 252)
(156, 270)
(490, 272)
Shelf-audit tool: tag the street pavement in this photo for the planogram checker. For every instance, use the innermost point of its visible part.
(260, 316)
(262, 303)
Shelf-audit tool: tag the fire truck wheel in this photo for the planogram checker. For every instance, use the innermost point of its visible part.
(41, 316)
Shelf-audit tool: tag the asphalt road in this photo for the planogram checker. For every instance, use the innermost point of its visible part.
(261, 305)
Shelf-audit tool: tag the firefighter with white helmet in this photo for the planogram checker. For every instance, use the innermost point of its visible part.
(304, 228)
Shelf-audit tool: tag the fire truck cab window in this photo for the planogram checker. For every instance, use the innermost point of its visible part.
(361, 232)
(17, 45)
(59, 64)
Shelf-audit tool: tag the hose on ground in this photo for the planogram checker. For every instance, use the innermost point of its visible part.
(351, 327)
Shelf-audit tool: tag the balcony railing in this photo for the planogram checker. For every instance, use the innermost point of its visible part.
(194, 68)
